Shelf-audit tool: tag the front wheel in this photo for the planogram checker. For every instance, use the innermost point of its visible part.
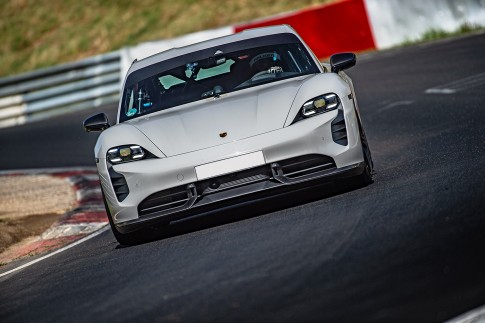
(127, 239)
(366, 176)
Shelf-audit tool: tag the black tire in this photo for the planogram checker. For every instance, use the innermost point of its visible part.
(366, 176)
(126, 239)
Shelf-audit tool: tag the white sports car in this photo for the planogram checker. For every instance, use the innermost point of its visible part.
(214, 123)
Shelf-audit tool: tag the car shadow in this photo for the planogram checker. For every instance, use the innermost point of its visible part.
(247, 210)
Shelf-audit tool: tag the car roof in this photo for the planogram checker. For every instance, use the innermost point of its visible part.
(178, 51)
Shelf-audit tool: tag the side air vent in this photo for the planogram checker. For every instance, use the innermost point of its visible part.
(119, 184)
(339, 130)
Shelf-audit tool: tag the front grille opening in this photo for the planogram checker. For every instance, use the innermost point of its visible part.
(305, 165)
(339, 130)
(119, 184)
(224, 182)
(168, 199)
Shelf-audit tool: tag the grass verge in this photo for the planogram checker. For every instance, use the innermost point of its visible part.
(434, 34)
(41, 33)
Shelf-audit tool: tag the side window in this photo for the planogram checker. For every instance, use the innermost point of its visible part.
(295, 67)
(304, 59)
(138, 100)
(130, 99)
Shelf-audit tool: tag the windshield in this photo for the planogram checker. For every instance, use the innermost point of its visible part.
(198, 76)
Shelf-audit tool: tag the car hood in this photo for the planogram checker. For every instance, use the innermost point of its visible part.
(215, 121)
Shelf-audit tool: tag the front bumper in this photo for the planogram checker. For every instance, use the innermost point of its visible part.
(196, 204)
(309, 137)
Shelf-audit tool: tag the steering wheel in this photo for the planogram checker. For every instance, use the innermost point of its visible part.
(261, 74)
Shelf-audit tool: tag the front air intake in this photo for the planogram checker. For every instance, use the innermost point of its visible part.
(301, 166)
(339, 130)
(229, 181)
(169, 200)
(119, 184)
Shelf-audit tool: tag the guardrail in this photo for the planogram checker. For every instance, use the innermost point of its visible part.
(68, 87)
(345, 25)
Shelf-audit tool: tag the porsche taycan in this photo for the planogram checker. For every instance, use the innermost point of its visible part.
(226, 120)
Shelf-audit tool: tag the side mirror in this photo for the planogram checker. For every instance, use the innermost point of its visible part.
(342, 61)
(97, 122)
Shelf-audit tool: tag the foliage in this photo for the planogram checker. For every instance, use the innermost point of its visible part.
(434, 34)
(40, 33)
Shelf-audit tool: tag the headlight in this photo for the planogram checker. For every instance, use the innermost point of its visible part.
(320, 104)
(123, 154)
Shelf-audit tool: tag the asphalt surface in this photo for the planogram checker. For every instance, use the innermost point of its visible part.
(409, 247)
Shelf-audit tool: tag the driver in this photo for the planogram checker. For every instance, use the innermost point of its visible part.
(263, 63)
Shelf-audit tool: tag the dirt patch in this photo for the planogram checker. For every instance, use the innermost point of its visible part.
(30, 204)
(26, 195)
(15, 230)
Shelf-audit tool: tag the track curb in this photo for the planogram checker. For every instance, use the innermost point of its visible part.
(86, 218)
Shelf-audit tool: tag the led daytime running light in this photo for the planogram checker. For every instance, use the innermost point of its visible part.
(320, 104)
(125, 154)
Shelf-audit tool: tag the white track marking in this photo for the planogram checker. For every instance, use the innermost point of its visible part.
(57, 251)
(394, 104)
(458, 85)
(84, 193)
(474, 316)
(85, 177)
(72, 229)
(440, 91)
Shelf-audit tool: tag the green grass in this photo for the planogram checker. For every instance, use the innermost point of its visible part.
(41, 33)
(434, 34)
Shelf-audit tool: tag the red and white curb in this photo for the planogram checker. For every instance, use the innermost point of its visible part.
(87, 217)
(342, 25)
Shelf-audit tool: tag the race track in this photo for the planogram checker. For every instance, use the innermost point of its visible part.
(409, 247)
